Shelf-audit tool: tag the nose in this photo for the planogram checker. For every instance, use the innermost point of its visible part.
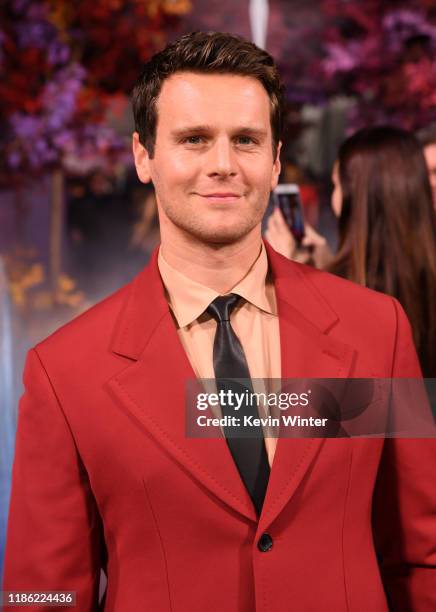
(221, 160)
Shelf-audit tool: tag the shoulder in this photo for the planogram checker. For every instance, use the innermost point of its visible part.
(118, 327)
(372, 323)
(89, 331)
(348, 299)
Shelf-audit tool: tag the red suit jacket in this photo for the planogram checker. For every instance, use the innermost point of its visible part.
(105, 477)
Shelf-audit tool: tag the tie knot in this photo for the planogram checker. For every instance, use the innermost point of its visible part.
(221, 307)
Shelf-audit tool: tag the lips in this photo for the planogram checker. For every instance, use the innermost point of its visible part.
(225, 196)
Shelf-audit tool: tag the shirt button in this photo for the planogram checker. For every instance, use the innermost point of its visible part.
(265, 542)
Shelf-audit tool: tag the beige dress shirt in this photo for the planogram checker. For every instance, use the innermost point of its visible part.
(254, 320)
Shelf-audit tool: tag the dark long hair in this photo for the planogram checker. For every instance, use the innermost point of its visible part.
(387, 227)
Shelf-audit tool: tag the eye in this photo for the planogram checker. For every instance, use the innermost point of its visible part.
(245, 140)
(192, 140)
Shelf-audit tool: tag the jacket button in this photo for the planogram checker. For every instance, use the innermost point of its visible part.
(265, 542)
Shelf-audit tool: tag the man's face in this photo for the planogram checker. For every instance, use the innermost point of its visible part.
(430, 158)
(213, 167)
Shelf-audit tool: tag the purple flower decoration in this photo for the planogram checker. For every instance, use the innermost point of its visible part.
(58, 53)
(401, 24)
(34, 33)
(25, 126)
(339, 59)
(13, 160)
(60, 96)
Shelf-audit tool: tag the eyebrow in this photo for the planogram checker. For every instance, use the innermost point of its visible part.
(195, 129)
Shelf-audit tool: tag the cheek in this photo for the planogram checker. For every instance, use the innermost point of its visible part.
(262, 174)
(182, 167)
(174, 174)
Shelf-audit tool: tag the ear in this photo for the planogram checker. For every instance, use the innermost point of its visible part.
(142, 160)
(276, 168)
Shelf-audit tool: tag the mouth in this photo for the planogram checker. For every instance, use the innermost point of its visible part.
(220, 196)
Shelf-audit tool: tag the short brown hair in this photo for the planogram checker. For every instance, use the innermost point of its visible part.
(205, 52)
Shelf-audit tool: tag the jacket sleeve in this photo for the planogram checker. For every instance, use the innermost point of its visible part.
(404, 511)
(54, 536)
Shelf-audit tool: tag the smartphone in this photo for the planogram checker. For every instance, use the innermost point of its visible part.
(287, 197)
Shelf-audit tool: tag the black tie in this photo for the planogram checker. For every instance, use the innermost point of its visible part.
(229, 362)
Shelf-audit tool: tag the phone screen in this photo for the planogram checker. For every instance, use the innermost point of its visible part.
(292, 211)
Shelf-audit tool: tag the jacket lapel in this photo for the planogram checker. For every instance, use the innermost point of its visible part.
(307, 351)
(152, 390)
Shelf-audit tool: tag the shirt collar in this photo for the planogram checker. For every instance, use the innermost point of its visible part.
(189, 299)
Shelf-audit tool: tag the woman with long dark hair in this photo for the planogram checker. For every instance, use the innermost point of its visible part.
(387, 226)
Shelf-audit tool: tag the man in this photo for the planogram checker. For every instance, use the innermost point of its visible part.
(104, 475)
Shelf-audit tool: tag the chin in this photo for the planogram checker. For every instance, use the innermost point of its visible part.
(217, 229)
(223, 235)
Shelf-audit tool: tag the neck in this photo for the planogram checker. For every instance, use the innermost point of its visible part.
(219, 267)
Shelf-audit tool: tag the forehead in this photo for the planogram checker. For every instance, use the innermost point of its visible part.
(188, 97)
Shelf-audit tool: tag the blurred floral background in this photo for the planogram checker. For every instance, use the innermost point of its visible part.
(75, 222)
